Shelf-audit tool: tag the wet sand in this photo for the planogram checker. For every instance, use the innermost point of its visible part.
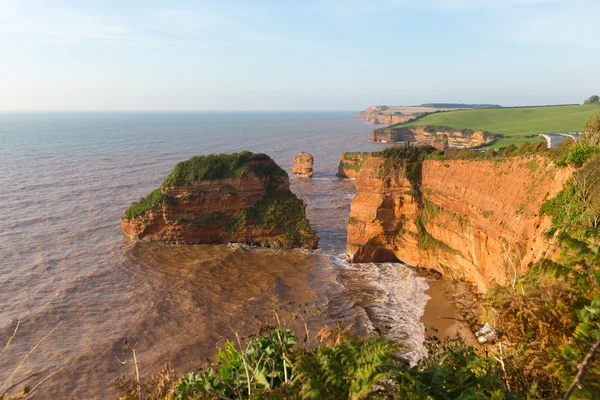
(442, 317)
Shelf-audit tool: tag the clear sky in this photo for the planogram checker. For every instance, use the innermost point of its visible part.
(295, 55)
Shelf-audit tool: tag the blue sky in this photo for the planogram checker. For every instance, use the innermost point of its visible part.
(295, 55)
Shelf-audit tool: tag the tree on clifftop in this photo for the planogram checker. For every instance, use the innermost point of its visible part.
(592, 100)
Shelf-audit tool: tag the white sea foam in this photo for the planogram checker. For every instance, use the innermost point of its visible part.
(395, 304)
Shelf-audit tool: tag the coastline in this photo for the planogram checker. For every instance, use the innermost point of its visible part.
(444, 315)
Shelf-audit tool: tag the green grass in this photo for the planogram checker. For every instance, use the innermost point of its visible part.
(221, 166)
(505, 142)
(514, 122)
(146, 203)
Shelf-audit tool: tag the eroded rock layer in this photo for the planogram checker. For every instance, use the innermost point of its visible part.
(437, 136)
(473, 219)
(225, 198)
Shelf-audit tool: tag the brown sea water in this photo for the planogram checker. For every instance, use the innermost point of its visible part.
(65, 180)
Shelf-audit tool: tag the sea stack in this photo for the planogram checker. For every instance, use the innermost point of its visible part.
(224, 198)
(303, 165)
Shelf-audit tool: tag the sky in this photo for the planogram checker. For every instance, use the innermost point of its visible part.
(295, 55)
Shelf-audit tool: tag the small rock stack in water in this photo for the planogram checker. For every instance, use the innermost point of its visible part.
(303, 165)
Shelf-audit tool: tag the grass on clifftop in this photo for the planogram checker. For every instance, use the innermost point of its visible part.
(517, 121)
(221, 166)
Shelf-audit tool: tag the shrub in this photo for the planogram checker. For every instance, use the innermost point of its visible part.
(279, 209)
(146, 203)
(222, 166)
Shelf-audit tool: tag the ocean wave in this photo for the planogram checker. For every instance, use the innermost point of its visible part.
(396, 304)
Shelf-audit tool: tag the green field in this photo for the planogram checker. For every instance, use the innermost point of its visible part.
(514, 123)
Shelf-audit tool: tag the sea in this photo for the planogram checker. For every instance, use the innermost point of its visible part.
(77, 299)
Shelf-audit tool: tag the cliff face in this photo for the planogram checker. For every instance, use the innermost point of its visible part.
(437, 136)
(477, 220)
(303, 165)
(376, 115)
(351, 163)
(237, 198)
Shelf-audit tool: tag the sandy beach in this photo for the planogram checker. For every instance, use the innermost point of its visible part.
(442, 317)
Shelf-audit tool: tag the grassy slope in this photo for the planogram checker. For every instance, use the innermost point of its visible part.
(515, 122)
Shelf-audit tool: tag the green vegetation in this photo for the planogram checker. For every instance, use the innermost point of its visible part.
(280, 210)
(589, 145)
(210, 167)
(561, 154)
(516, 125)
(513, 122)
(549, 319)
(428, 242)
(356, 160)
(222, 166)
(213, 218)
(146, 203)
(592, 100)
(547, 324)
(460, 105)
(577, 207)
(406, 159)
(342, 366)
(517, 141)
(433, 129)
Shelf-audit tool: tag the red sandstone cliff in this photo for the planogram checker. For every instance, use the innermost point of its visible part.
(439, 137)
(351, 163)
(376, 115)
(477, 220)
(303, 165)
(252, 205)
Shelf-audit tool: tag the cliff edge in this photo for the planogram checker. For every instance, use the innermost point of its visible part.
(383, 115)
(351, 163)
(475, 219)
(225, 198)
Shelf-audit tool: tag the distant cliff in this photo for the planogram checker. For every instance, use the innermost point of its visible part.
(379, 115)
(441, 137)
(473, 219)
(225, 198)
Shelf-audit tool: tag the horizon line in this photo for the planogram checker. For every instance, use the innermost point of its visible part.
(163, 110)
